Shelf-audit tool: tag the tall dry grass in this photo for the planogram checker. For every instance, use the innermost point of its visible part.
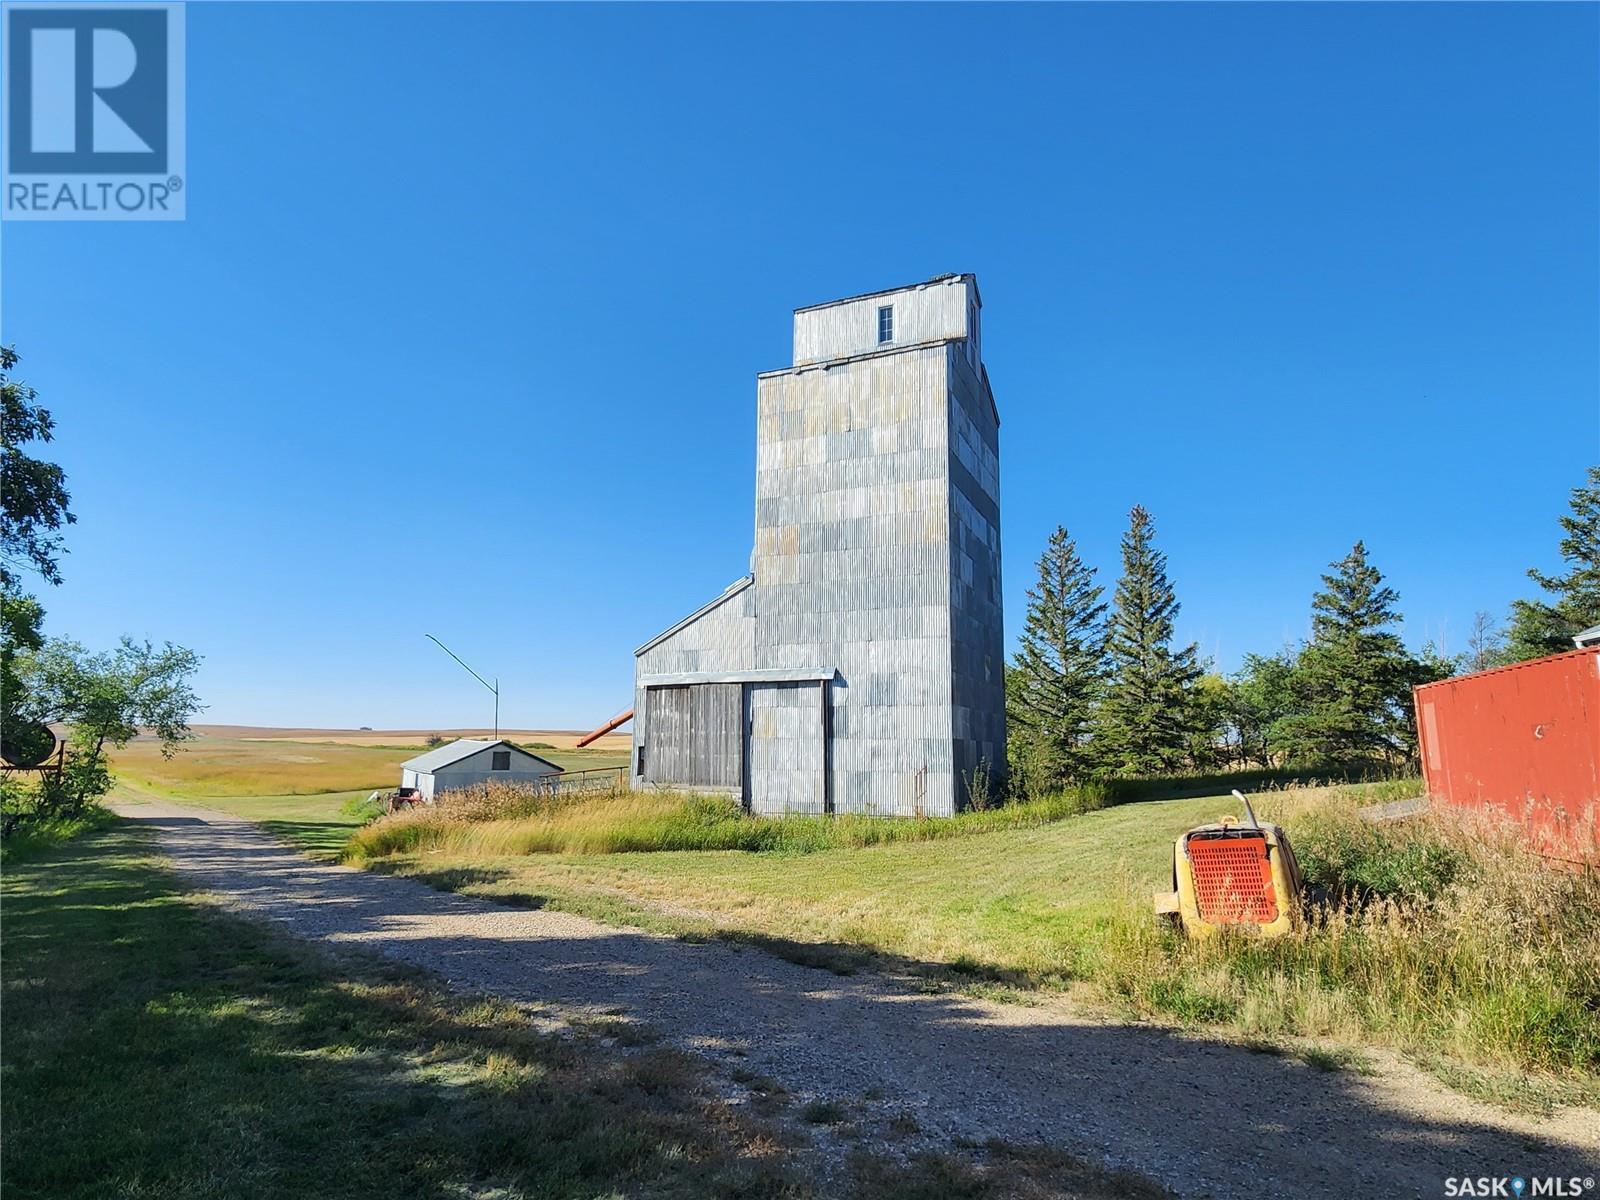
(1437, 933)
(500, 819)
(1432, 934)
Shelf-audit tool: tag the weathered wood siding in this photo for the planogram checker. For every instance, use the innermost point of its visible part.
(720, 639)
(696, 736)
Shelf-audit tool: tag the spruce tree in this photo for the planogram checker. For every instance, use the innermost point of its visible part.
(1055, 678)
(1538, 628)
(1353, 680)
(1147, 720)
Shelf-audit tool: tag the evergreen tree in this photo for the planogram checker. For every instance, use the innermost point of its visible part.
(1538, 628)
(1055, 678)
(1146, 724)
(1353, 680)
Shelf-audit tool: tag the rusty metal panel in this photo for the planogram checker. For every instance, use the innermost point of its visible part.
(1522, 741)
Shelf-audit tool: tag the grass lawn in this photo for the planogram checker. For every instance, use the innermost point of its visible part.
(1019, 904)
(320, 823)
(156, 1046)
(1472, 950)
(1498, 974)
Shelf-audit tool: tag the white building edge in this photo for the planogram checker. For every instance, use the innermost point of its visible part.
(470, 762)
(859, 666)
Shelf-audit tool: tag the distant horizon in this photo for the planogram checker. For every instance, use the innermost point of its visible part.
(203, 727)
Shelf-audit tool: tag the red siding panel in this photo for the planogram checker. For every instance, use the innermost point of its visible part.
(1523, 741)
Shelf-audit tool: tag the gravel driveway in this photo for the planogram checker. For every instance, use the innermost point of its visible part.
(1203, 1117)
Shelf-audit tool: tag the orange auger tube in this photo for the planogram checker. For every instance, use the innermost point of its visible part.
(619, 719)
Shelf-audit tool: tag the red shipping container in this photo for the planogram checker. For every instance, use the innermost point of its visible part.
(1522, 741)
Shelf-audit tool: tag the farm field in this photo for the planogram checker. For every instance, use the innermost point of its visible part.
(242, 761)
(561, 739)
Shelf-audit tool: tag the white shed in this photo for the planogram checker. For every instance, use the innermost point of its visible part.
(467, 762)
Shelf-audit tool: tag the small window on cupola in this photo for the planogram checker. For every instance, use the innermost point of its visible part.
(885, 324)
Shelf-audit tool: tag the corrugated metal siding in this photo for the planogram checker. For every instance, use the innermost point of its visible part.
(877, 551)
(922, 313)
(977, 643)
(786, 748)
(852, 567)
(1523, 741)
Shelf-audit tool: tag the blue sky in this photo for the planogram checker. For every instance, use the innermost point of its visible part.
(461, 333)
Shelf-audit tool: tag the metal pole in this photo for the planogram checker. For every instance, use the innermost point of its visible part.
(493, 687)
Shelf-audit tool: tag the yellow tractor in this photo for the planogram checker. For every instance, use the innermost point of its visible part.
(1233, 875)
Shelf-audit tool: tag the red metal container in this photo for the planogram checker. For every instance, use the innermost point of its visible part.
(1522, 741)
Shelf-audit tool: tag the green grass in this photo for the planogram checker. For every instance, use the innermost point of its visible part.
(1440, 944)
(1020, 904)
(506, 820)
(1438, 936)
(157, 1046)
(320, 824)
(1445, 942)
(33, 838)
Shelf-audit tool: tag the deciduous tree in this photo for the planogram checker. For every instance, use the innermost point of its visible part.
(1486, 644)
(33, 493)
(1261, 695)
(105, 699)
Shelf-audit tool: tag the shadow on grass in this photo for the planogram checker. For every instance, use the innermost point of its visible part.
(1093, 1089)
(157, 1046)
(506, 888)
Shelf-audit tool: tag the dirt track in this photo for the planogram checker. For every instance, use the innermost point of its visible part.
(1203, 1117)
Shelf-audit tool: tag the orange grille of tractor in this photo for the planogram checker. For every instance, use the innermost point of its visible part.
(1233, 880)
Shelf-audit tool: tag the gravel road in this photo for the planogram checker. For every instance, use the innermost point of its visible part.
(1203, 1117)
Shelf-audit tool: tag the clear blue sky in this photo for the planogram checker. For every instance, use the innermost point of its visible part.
(461, 333)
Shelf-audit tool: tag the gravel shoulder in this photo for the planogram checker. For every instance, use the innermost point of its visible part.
(1203, 1117)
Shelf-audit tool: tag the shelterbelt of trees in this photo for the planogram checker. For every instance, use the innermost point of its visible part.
(1099, 689)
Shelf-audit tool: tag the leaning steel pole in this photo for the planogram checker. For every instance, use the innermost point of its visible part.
(493, 687)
